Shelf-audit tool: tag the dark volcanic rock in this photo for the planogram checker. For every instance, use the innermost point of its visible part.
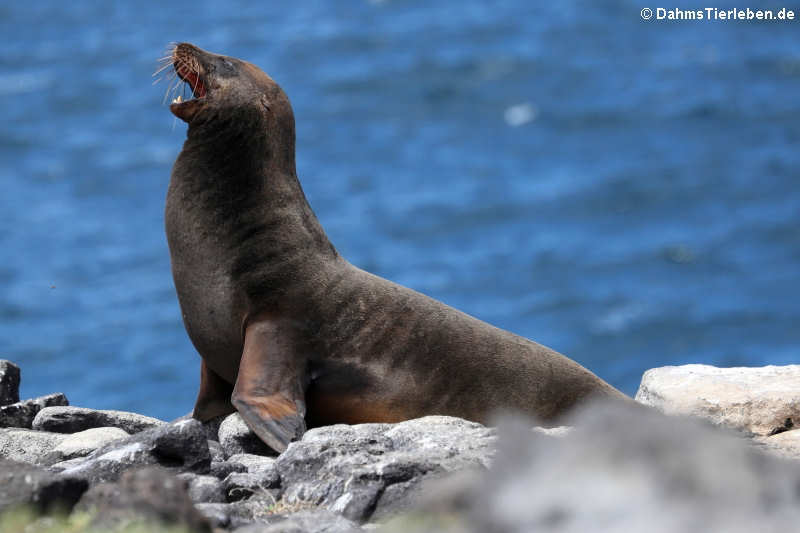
(222, 469)
(145, 495)
(215, 449)
(21, 414)
(241, 486)
(28, 446)
(371, 469)
(25, 484)
(212, 427)
(70, 419)
(236, 514)
(235, 437)
(181, 446)
(9, 382)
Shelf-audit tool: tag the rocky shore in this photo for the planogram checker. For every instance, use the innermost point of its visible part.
(727, 458)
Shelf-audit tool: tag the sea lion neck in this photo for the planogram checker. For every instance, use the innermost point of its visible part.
(236, 135)
(248, 174)
(235, 199)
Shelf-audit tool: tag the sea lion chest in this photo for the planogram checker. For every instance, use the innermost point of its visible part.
(210, 306)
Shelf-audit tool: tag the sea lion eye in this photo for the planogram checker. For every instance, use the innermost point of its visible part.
(227, 64)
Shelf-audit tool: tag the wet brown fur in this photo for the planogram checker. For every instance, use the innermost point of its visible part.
(286, 325)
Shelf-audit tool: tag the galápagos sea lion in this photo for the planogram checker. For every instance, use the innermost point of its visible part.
(287, 329)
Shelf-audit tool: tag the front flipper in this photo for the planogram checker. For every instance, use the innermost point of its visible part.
(269, 391)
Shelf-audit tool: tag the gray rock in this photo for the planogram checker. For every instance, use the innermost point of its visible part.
(236, 514)
(254, 464)
(216, 514)
(757, 401)
(28, 446)
(142, 496)
(241, 486)
(235, 438)
(215, 449)
(9, 382)
(109, 464)
(212, 427)
(22, 484)
(222, 469)
(21, 414)
(203, 489)
(85, 442)
(61, 466)
(621, 469)
(558, 432)
(181, 446)
(70, 419)
(375, 469)
(303, 521)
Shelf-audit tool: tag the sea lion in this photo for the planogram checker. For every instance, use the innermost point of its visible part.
(291, 333)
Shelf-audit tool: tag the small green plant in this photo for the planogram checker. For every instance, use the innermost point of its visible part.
(27, 520)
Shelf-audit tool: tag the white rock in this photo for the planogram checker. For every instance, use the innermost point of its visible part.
(369, 471)
(756, 401)
(630, 470)
(786, 444)
(85, 442)
(27, 445)
(556, 432)
(255, 464)
(236, 438)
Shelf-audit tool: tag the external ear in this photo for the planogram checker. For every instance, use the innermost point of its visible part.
(265, 101)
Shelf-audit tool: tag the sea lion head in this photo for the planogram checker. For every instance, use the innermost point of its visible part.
(225, 89)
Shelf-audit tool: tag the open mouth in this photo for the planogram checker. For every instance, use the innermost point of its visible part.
(190, 73)
(187, 68)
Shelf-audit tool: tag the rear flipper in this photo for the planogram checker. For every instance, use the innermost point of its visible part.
(269, 391)
(213, 397)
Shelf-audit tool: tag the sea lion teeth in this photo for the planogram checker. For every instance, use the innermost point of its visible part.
(177, 100)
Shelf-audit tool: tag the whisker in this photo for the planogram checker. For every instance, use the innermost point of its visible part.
(169, 76)
(171, 88)
(186, 66)
(178, 83)
(166, 94)
(162, 68)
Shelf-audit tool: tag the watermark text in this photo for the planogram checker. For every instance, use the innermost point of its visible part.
(717, 14)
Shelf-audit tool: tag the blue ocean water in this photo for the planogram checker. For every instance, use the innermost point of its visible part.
(624, 191)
